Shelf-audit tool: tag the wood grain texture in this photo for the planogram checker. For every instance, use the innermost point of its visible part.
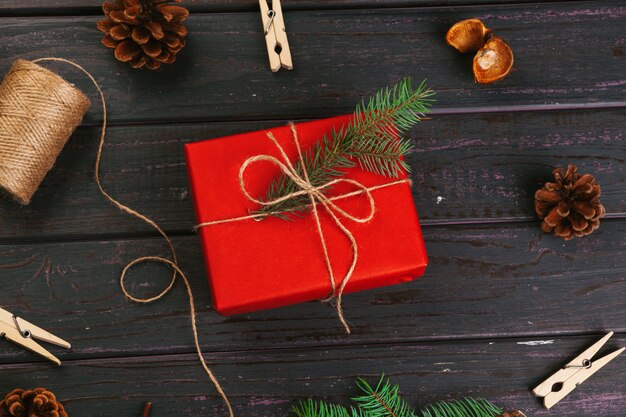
(501, 306)
(266, 383)
(467, 169)
(341, 56)
(483, 281)
(80, 7)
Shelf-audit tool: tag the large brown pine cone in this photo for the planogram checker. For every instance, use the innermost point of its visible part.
(144, 33)
(37, 402)
(570, 206)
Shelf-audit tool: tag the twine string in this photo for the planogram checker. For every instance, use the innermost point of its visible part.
(316, 197)
(318, 224)
(171, 263)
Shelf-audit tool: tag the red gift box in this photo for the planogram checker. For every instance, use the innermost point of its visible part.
(255, 265)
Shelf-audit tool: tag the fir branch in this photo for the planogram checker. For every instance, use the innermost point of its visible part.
(467, 407)
(382, 401)
(371, 140)
(312, 408)
(385, 401)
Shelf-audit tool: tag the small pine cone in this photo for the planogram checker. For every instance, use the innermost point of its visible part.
(37, 402)
(570, 206)
(144, 33)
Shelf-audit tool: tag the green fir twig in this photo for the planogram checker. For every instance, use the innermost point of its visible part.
(466, 407)
(382, 401)
(371, 140)
(311, 408)
(385, 401)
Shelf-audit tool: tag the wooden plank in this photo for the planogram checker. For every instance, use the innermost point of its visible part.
(267, 383)
(483, 281)
(478, 168)
(81, 7)
(341, 56)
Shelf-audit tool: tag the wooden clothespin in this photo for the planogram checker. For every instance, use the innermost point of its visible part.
(564, 381)
(275, 35)
(20, 331)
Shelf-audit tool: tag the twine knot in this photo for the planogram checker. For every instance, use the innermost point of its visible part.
(317, 197)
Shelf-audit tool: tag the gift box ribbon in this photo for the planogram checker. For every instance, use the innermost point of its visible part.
(317, 198)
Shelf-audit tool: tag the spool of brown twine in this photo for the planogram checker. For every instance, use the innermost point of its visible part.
(38, 113)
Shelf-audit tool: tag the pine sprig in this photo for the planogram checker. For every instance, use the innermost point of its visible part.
(382, 401)
(467, 407)
(371, 140)
(311, 408)
(385, 401)
(377, 125)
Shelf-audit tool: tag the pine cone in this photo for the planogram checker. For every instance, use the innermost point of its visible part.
(37, 402)
(570, 206)
(144, 33)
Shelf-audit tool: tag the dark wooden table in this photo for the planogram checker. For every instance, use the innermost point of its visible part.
(501, 306)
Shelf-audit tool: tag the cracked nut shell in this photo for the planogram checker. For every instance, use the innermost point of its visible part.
(467, 35)
(493, 61)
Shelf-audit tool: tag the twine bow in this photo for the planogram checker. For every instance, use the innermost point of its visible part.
(316, 197)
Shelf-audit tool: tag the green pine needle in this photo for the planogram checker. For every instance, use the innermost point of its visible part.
(372, 140)
(467, 407)
(382, 401)
(385, 401)
(312, 408)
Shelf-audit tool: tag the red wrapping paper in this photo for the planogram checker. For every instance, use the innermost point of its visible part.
(255, 265)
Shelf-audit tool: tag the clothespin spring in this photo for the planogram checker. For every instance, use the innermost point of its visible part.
(587, 363)
(25, 333)
(271, 14)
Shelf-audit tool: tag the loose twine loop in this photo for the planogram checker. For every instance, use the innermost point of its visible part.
(171, 263)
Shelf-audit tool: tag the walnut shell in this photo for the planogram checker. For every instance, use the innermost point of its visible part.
(467, 35)
(493, 62)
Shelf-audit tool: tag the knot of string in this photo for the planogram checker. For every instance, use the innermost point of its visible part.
(317, 199)
(171, 263)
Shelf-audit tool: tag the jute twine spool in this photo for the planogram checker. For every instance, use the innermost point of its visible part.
(38, 113)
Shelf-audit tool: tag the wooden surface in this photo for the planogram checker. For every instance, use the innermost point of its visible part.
(501, 306)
